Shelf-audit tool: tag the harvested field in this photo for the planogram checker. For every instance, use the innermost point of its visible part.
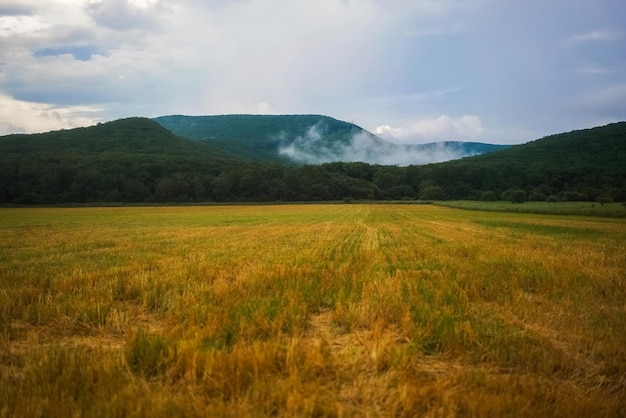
(310, 310)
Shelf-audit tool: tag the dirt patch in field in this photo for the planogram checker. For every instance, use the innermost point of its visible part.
(378, 372)
(323, 331)
(371, 351)
(24, 337)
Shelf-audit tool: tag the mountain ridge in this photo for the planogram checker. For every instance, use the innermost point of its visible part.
(311, 139)
(138, 160)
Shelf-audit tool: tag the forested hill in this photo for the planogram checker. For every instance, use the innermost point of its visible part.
(121, 137)
(137, 160)
(578, 165)
(261, 130)
(600, 148)
(310, 139)
(122, 160)
(261, 137)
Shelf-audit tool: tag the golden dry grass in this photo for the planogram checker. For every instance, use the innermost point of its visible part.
(311, 310)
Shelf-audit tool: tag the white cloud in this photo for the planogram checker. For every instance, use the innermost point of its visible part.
(36, 17)
(124, 14)
(155, 57)
(28, 117)
(264, 108)
(593, 36)
(442, 128)
(16, 7)
(19, 24)
(595, 70)
(143, 4)
(386, 131)
(314, 148)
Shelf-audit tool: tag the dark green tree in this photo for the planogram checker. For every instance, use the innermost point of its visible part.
(514, 195)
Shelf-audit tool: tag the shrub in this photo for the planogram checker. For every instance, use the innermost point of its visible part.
(537, 196)
(573, 196)
(604, 199)
(514, 195)
(488, 196)
(432, 193)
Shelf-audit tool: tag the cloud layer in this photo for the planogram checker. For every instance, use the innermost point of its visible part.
(442, 128)
(314, 148)
(26, 117)
(420, 70)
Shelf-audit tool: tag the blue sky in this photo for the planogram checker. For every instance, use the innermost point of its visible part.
(499, 71)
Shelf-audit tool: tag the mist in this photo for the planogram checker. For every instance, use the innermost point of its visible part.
(314, 147)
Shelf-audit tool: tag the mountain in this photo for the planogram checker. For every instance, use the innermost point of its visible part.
(138, 160)
(309, 139)
(124, 136)
(602, 147)
(577, 165)
(257, 137)
(122, 160)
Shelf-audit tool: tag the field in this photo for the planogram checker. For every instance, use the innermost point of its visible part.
(310, 310)
(609, 210)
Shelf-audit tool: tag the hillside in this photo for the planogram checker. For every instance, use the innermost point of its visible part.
(113, 161)
(267, 131)
(309, 139)
(138, 160)
(121, 137)
(257, 137)
(577, 165)
(600, 147)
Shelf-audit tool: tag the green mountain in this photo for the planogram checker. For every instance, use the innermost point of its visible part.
(138, 160)
(260, 130)
(575, 165)
(114, 161)
(121, 137)
(261, 137)
(309, 139)
(590, 149)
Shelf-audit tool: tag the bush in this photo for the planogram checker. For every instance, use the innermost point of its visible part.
(432, 193)
(488, 196)
(573, 196)
(537, 196)
(604, 199)
(514, 195)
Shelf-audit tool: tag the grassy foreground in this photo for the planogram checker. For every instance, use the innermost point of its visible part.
(310, 310)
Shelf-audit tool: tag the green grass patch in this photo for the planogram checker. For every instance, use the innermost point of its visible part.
(611, 210)
(545, 229)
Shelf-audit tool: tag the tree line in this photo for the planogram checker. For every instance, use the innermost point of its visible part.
(134, 178)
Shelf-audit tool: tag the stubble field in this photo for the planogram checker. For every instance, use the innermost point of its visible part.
(310, 310)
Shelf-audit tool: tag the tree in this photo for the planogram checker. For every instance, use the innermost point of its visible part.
(135, 191)
(514, 195)
(537, 195)
(432, 193)
(488, 196)
(223, 185)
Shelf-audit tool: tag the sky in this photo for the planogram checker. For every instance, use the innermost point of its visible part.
(411, 71)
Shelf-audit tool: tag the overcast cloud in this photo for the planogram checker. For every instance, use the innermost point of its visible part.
(500, 71)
